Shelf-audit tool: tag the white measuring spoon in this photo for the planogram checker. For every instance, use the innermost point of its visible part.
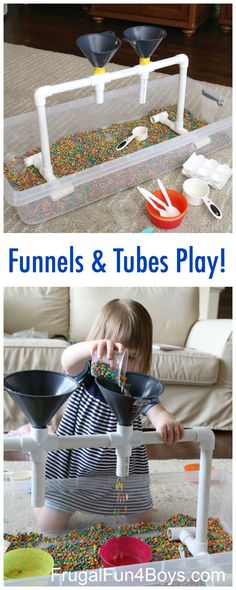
(173, 210)
(151, 198)
(214, 210)
(139, 133)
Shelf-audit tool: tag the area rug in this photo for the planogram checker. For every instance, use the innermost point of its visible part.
(25, 70)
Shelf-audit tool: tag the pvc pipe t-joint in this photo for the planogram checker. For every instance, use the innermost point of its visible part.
(173, 533)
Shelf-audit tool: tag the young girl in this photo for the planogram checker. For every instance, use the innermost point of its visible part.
(120, 324)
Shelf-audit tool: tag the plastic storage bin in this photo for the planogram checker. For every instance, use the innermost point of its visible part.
(172, 493)
(38, 204)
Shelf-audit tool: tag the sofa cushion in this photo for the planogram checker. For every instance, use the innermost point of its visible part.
(209, 405)
(45, 309)
(186, 366)
(173, 309)
(33, 353)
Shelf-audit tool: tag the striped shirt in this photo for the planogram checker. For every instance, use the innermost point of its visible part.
(84, 479)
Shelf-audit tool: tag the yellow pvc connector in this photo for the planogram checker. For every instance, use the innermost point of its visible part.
(144, 61)
(99, 70)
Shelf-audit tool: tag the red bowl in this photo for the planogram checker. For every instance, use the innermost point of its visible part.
(124, 550)
(178, 200)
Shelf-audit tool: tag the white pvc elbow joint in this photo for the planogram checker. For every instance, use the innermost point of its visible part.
(205, 438)
(183, 60)
(41, 94)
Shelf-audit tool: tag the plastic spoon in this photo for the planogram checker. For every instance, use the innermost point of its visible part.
(139, 133)
(214, 210)
(172, 210)
(165, 210)
(160, 202)
(151, 198)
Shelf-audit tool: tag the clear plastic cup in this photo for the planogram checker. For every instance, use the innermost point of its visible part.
(125, 212)
(111, 369)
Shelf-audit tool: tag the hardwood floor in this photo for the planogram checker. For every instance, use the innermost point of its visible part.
(55, 27)
(223, 449)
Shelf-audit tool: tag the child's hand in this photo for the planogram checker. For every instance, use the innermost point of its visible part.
(107, 347)
(166, 425)
(170, 430)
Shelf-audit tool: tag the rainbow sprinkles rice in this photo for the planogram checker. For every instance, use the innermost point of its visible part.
(79, 549)
(81, 151)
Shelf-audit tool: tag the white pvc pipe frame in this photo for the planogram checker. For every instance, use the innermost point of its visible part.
(40, 442)
(42, 160)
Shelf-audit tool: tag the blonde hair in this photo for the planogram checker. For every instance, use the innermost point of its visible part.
(128, 322)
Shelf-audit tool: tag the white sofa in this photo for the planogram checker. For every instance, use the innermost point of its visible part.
(197, 376)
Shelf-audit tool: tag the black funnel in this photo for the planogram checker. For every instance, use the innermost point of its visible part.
(99, 48)
(39, 394)
(143, 390)
(144, 39)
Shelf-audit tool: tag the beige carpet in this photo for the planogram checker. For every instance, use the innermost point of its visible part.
(24, 70)
(171, 491)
